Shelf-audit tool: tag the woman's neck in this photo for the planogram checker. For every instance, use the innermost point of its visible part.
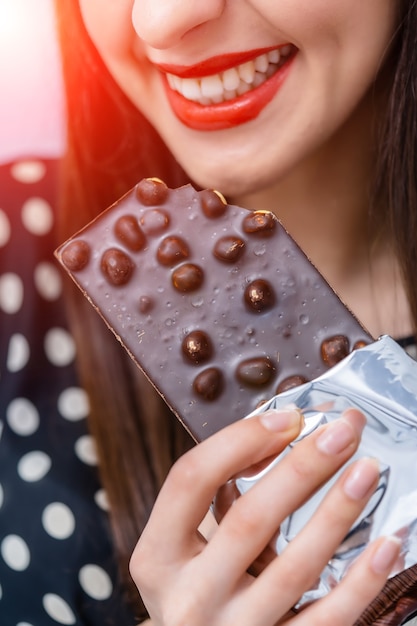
(325, 205)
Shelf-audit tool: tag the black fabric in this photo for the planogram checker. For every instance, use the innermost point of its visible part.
(56, 558)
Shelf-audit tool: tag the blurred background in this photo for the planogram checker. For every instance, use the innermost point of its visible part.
(31, 98)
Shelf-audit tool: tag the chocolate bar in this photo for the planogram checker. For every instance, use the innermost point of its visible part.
(217, 305)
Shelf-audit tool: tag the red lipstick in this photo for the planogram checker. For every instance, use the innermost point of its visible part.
(214, 65)
(230, 113)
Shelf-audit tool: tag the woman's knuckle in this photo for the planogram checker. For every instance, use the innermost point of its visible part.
(142, 565)
(302, 468)
(186, 471)
(137, 569)
(244, 520)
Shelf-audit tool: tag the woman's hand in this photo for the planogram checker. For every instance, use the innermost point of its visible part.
(185, 580)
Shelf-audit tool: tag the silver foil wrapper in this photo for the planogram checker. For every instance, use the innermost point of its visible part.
(380, 380)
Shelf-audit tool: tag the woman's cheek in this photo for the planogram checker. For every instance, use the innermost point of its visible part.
(109, 25)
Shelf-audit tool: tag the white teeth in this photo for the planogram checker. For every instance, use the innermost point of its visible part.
(231, 83)
(211, 86)
(247, 71)
(231, 79)
(171, 80)
(259, 79)
(271, 70)
(229, 94)
(190, 89)
(243, 88)
(285, 50)
(261, 63)
(274, 56)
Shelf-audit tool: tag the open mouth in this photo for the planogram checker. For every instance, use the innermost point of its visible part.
(233, 82)
(229, 97)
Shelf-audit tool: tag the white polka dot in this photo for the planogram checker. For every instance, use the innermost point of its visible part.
(11, 292)
(73, 404)
(37, 216)
(59, 347)
(18, 353)
(85, 449)
(22, 416)
(24, 624)
(95, 582)
(58, 609)
(33, 466)
(4, 228)
(15, 553)
(48, 281)
(102, 500)
(28, 171)
(58, 520)
(1, 496)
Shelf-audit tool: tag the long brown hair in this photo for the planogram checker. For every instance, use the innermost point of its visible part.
(396, 175)
(110, 147)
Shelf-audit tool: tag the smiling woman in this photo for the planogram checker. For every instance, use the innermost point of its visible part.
(303, 108)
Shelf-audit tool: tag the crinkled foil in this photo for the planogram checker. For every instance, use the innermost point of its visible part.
(381, 380)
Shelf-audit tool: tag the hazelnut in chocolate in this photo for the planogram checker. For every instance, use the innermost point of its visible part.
(216, 304)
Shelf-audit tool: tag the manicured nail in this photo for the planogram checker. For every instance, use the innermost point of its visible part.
(280, 420)
(363, 477)
(386, 554)
(340, 434)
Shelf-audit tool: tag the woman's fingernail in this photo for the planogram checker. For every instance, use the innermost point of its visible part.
(280, 420)
(363, 477)
(385, 556)
(340, 434)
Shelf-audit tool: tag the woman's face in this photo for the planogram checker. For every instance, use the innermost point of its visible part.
(242, 91)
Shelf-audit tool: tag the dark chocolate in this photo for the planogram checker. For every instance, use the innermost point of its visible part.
(335, 349)
(290, 383)
(216, 304)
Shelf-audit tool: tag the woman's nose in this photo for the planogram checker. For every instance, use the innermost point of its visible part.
(163, 23)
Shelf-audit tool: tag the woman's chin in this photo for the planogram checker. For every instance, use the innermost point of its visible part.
(232, 182)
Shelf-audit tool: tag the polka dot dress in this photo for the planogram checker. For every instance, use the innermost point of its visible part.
(56, 560)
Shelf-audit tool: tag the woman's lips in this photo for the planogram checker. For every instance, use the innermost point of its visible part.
(243, 85)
